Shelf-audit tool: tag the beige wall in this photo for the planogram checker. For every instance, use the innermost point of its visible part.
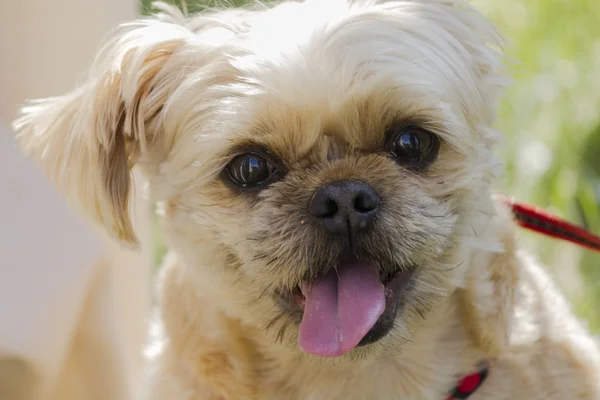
(46, 45)
(72, 303)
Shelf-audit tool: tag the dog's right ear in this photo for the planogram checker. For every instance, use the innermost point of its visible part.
(88, 140)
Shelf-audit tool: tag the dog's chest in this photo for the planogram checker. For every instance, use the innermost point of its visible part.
(382, 382)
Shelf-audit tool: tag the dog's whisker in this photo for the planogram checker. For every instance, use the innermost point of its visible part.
(266, 290)
(273, 321)
(281, 333)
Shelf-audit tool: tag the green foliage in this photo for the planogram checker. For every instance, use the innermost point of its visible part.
(194, 5)
(551, 121)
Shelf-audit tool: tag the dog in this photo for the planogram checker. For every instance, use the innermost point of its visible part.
(324, 175)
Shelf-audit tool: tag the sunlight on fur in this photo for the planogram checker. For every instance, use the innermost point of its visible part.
(323, 171)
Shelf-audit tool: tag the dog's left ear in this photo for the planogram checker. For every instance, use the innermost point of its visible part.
(88, 140)
(487, 301)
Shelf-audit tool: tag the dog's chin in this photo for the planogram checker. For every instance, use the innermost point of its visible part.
(350, 306)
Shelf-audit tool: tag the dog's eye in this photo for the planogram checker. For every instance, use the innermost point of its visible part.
(413, 146)
(250, 170)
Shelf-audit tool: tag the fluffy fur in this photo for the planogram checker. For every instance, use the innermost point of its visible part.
(315, 83)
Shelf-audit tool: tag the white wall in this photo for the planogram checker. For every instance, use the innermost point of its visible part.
(72, 303)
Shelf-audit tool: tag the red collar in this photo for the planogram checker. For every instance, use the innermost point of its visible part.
(469, 384)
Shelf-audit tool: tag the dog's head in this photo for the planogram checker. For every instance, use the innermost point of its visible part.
(321, 165)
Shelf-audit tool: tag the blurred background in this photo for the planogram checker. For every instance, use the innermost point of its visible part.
(550, 118)
(551, 121)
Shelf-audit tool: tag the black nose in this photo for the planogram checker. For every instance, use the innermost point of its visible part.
(345, 206)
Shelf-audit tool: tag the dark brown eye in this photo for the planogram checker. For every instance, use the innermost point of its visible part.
(250, 170)
(414, 146)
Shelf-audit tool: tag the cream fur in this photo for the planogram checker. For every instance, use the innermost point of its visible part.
(313, 81)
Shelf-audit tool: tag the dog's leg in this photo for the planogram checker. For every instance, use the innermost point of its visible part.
(203, 344)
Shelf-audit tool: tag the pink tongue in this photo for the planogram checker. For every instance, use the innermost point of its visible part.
(341, 307)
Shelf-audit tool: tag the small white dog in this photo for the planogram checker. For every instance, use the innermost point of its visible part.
(324, 169)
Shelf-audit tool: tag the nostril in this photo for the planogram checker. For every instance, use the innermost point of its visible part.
(364, 203)
(323, 205)
(329, 210)
(360, 205)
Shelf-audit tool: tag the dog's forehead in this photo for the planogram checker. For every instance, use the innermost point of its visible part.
(301, 77)
(341, 120)
(316, 130)
(345, 79)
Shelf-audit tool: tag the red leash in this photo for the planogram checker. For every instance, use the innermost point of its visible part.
(541, 221)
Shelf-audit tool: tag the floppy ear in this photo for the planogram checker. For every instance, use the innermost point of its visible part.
(492, 285)
(88, 140)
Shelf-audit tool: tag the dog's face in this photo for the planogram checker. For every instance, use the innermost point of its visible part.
(320, 166)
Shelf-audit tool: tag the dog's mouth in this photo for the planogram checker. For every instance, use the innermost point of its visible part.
(350, 306)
